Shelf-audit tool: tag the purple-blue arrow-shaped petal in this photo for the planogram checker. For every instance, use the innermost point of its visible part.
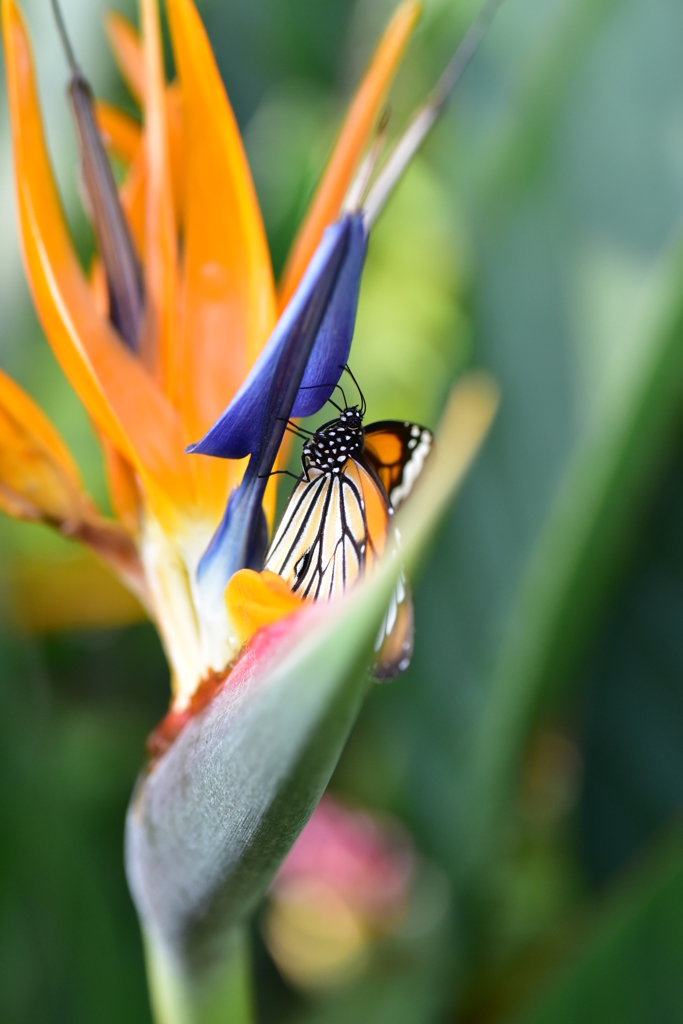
(320, 316)
(238, 431)
(333, 343)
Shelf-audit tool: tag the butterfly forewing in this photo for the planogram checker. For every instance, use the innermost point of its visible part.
(298, 529)
(332, 529)
(397, 452)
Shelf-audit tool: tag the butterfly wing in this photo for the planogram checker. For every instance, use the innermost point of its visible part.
(333, 529)
(396, 637)
(397, 452)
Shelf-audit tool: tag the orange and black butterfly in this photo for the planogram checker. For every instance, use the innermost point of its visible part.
(338, 519)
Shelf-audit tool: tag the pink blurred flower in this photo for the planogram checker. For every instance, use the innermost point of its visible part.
(344, 884)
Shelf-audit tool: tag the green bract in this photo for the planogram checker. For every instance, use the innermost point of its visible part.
(210, 823)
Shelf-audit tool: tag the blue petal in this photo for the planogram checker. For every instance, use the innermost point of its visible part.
(333, 343)
(240, 542)
(239, 430)
(270, 395)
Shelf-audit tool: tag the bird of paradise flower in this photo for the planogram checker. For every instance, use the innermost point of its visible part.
(195, 323)
(179, 332)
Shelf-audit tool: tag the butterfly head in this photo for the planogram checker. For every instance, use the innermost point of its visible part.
(351, 418)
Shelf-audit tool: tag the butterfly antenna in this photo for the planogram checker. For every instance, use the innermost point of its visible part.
(363, 404)
(312, 387)
(340, 388)
(64, 36)
(422, 122)
(359, 185)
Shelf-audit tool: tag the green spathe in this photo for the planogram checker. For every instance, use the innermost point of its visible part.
(208, 827)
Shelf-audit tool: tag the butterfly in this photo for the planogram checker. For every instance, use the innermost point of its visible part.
(338, 520)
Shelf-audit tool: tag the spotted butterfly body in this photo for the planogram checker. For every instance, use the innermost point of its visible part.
(338, 520)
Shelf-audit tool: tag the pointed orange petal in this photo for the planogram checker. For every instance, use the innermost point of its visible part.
(132, 194)
(228, 299)
(353, 138)
(120, 133)
(122, 486)
(134, 188)
(38, 478)
(229, 304)
(176, 147)
(161, 255)
(39, 482)
(98, 287)
(255, 599)
(110, 382)
(127, 49)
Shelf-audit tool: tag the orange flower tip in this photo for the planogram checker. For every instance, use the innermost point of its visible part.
(360, 124)
(257, 599)
(426, 116)
(126, 47)
(120, 132)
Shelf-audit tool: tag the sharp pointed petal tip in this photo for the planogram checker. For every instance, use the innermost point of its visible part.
(237, 432)
(205, 447)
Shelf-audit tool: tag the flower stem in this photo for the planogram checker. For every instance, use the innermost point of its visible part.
(222, 997)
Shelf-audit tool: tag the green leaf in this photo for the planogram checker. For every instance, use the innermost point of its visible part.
(627, 967)
(633, 725)
(210, 823)
(606, 482)
(577, 306)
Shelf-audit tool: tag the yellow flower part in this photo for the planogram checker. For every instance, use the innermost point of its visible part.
(257, 599)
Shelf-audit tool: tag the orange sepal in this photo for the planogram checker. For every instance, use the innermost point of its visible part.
(256, 599)
(39, 482)
(158, 342)
(111, 383)
(132, 196)
(121, 134)
(127, 50)
(122, 486)
(359, 123)
(38, 478)
(228, 300)
(133, 190)
(176, 147)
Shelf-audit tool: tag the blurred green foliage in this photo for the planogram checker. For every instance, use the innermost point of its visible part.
(535, 747)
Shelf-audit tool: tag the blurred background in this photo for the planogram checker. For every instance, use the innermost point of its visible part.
(531, 759)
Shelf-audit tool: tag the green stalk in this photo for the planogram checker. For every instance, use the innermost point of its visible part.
(222, 997)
